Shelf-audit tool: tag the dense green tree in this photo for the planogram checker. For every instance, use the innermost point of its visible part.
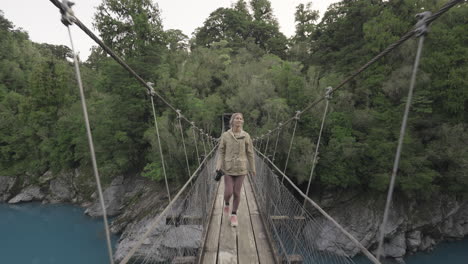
(239, 61)
(240, 28)
(228, 24)
(305, 19)
(130, 27)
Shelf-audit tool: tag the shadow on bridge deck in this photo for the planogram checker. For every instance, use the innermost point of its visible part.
(247, 243)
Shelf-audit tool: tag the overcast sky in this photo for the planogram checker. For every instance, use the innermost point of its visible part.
(41, 19)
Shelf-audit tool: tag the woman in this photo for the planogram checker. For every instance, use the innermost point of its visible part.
(236, 159)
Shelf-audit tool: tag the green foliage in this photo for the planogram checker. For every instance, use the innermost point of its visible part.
(130, 27)
(153, 171)
(305, 18)
(242, 29)
(240, 62)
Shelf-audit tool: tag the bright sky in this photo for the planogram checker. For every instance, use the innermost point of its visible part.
(41, 19)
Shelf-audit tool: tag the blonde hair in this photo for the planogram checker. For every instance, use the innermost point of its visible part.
(231, 121)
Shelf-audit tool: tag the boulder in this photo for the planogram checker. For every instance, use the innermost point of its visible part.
(31, 193)
(427, 243)
(60, 190)
(113, 196)
(413, 240)
(395, 247)
(6, 184)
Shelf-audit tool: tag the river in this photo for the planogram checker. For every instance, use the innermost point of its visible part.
(455, 252)
(33, 233)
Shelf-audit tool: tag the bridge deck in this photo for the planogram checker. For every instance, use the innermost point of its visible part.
(248, 243)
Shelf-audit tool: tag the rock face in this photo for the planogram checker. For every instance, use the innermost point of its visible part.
(113, 196)
(143, 201)
(6, 184)
(58, 188)
(31, 193)
(61, 188)
(412, 225)
(160, 245)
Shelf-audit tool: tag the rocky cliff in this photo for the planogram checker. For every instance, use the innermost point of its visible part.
(413, 225)
(132, 201)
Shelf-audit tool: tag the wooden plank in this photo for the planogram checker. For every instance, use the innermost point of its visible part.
(265, 254)
(286, 217)
(210, 257)
(227, 251)
(246, 247)
(253, 208)
(264, 250)
(184, 260)
(211, 245)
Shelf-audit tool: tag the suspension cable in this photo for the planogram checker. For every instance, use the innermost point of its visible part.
(195, 142)
(298, 113)
(314, 161)
(260, 143)
(179, 113)
(203, 141)
(268, 141)
(159, 142)
(91, 148)
(280, 125)
(383, 53)
(73, 19)
(422, 32)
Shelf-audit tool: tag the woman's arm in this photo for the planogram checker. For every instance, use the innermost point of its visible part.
(250, 156)
(221, 154)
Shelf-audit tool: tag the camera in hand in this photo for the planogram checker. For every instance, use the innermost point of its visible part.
(219, 174)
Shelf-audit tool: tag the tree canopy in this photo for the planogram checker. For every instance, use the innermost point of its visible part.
(239, 61)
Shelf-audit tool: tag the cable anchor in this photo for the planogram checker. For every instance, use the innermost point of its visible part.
(179, 113)
(151, 91)
(68, 17)
(298, 115)
(422, 26)
(328, 92)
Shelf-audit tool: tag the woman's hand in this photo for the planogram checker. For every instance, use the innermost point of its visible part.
(252, 173)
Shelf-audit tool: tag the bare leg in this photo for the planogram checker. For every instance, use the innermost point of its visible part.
(228, 188)
(238, 180)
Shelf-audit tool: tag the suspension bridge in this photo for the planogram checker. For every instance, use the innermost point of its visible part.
(278, 222)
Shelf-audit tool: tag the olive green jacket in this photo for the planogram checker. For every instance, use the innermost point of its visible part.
(236, 155)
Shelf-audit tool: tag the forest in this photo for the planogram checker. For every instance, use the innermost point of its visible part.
(239, 61)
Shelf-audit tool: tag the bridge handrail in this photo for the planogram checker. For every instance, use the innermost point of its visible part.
(316, 206)
(168, 207)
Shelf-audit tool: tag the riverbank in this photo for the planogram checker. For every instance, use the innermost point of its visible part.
(413, 226)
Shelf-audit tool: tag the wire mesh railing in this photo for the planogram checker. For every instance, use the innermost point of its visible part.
(297, 235)
(174, 233)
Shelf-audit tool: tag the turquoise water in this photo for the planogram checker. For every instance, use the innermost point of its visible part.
(56, 234)
(444, 253)
(51, 234)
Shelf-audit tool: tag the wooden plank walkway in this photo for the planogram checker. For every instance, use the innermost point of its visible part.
(245, 244)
